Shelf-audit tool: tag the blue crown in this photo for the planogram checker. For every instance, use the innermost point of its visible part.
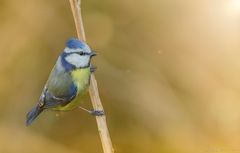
(75, 43)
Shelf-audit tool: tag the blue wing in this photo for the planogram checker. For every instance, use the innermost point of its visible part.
(59, 89)
(51, 100)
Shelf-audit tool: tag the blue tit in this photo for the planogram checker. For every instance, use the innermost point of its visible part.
(68, 80)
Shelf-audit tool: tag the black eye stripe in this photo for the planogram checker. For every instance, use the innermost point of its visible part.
(80, 53)
(83, 53)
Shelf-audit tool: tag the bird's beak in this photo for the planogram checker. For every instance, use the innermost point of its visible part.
(93, 53)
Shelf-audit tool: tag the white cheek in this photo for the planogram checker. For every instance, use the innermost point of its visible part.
(77, 60)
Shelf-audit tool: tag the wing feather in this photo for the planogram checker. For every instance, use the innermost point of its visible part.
(59, 89)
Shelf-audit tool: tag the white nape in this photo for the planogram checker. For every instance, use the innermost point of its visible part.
(59, 65)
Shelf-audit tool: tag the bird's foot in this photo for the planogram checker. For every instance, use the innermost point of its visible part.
(92, 68)
(93, 112)
(97, 113)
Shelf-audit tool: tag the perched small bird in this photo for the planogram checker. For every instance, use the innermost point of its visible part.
(68, 80)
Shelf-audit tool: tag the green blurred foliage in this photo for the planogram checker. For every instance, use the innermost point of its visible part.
(168, 75)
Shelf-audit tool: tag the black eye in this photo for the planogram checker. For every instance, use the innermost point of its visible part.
(81, 53)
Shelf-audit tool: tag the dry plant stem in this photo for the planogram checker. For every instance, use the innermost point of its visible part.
(76, 10)
(93, 89)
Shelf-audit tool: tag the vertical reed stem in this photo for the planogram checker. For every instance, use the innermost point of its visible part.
(93, 89)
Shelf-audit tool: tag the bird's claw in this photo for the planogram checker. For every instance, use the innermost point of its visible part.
(93, 68)
(97, 113)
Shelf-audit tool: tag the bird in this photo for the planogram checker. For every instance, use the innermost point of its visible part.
(67, 82)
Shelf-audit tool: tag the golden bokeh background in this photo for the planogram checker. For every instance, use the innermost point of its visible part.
(168, 74)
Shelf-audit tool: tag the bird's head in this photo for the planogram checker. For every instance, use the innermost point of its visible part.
(77, 54)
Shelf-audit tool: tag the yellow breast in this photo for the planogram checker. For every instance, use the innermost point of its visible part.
(81, 78)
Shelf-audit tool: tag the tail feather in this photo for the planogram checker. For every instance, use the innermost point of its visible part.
(33, 114)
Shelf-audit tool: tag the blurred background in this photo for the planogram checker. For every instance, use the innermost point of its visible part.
(168, 75)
